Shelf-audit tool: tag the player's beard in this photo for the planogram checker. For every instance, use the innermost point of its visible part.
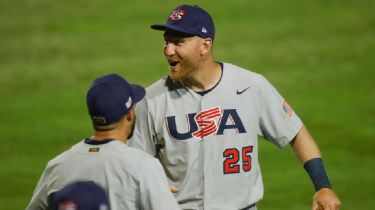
(184, 70)
(175, 76)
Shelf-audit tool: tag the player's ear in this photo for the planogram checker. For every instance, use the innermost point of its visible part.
(206, 46)
(130, 116)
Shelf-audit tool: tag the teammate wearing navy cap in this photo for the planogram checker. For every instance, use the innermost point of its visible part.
(132, 178)
(81, 195)
(203, 121)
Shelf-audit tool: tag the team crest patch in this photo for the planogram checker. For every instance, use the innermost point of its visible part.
(177, 14)
(287, 109)
(94, 149)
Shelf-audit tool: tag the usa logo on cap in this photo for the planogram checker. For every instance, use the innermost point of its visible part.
(177, 14)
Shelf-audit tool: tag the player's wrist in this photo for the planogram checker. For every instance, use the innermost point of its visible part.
(317, 173)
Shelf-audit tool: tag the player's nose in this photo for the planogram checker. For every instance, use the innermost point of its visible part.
(169, 49)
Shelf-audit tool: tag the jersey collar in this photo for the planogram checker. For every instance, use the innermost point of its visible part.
(202, 93)
(96, 142)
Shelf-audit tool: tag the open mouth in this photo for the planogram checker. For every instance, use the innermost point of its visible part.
(173, 63)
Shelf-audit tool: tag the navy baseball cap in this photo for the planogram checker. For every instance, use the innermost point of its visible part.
(111, 97)
(81, 195)
(191, 20)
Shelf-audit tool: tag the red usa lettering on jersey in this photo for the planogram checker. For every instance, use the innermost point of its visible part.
(213, 121)
(206, 122)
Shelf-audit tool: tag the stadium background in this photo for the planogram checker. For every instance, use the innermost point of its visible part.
(319, 54)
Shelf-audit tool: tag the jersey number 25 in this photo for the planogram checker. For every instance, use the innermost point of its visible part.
(232, 160)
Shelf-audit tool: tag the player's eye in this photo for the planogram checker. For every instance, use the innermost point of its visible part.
(166, 42)
(174, 42)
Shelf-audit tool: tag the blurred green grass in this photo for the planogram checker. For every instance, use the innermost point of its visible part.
(319, 54)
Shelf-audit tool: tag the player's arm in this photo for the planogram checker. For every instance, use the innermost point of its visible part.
(309, 155)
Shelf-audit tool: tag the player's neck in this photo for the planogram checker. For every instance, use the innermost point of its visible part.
(115, 134)
(206, 77)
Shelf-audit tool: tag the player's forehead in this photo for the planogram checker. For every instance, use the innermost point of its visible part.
(175, 36)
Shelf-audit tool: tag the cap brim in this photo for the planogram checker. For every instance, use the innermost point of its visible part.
(138, 92)
(160, 27)
(164, 27)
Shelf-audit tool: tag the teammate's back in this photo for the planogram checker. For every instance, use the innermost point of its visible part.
(122, 170)
(132, 178)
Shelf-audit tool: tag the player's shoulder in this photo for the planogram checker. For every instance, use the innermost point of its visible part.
(137, 161)
(142, 159)
(60, 158)
(241, 74)
(119, 150)
(129, 155)
(138, 153)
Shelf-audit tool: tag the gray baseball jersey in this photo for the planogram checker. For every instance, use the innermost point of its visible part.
(132, 178)
(208, 144)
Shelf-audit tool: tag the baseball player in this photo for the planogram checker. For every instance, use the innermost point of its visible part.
(132, 178)
(203, 120)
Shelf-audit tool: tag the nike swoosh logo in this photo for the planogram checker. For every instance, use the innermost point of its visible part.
(239, 92)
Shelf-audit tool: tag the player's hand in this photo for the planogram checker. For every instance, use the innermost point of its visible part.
(174, 189)
(326, 199)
